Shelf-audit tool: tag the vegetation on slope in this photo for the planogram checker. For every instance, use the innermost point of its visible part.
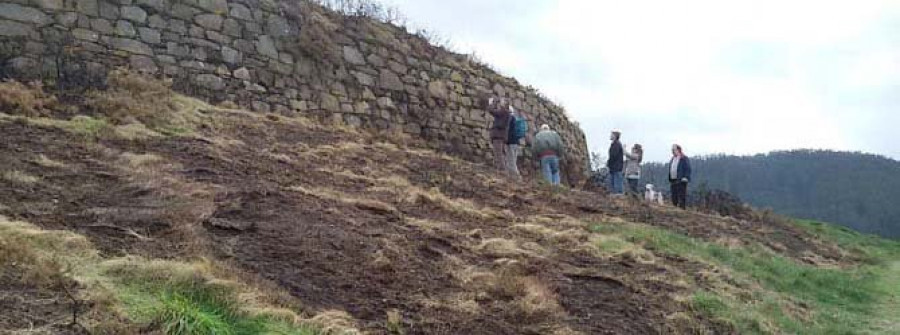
(759, 291)
(856, 190)
(133, 294)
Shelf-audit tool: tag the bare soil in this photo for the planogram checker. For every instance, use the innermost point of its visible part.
(366, 258)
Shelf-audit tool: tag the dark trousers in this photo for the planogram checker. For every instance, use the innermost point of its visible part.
(679, 193)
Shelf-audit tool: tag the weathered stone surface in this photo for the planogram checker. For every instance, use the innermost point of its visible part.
(183, 11)
(260, 106)
(21, 13)
(143, 64)
(87, 7)
(390, 80)
(157, 22)
(215, 6)
(133, 13)
(210, 81)
(438, 90)
(242, 73)
(231, 56)
(329, 102)
(159, 5)
(149, 35)
(102, 26)
(266, 46)
(49, 4)
(109, 11)
(278, 26)
(209, 21)
(177, 26)
(218, 38)
(386, 103)
(232, 27)
(364, 78)
(353, 56)
(124, 28)
(67, 19)
(176, 49)
(11, 28)
(240, 11)
(130, 45)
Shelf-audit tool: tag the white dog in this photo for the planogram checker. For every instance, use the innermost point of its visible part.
(653, 196)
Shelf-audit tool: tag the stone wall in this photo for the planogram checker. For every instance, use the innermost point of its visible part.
(288, 57)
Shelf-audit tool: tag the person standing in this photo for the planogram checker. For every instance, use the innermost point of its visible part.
(633, 169)
(616, 163)
(499, 108)
(679, 176)
(548, 147)
(518, 130)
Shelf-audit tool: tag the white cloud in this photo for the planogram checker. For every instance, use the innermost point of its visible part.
(717, 76)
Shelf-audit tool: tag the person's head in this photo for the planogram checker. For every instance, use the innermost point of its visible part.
(615, 135)
(545, 127)
(676, 150)
(637, 148)
(504, 103)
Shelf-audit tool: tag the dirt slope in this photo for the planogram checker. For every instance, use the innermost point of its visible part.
(369, 224)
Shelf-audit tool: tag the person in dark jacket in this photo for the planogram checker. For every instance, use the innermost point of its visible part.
(512, 145)
(499, 108)
(679, 176)
(616, 164)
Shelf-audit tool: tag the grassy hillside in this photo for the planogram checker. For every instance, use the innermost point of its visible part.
(853, 189)
(138, 210)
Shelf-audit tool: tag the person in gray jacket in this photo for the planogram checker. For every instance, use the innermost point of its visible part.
(633, 169)
(548, 148)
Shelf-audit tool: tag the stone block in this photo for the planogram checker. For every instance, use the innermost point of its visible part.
(12, 28)
(232, 27)
(231, 56)
(183, 11)
(149, 35)
(102, 26)
(209, 21)
(124, 28)
(49, 4)
(21, 13)
(242, 73)
(210, 81)
(266, 46)
(353, 56)
(87, 7)
(390, 80)
(214, 6)
(278, 26)
(130, 45)
(143, 64)
(157, 22)
(67, 19)
(218, 38)
(109, 11)
(133, 13)
(364, 79)
(241, 12)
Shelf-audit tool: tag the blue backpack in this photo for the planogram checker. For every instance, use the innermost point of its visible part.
(520, 127)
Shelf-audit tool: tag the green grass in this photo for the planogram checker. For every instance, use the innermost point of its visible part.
(186, 306)
(840, 301)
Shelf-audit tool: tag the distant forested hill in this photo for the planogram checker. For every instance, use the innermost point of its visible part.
(861, 191)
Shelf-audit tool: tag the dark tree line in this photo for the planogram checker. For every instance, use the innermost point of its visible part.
(860, 191)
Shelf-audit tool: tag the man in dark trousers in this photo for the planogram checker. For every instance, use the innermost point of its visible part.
(616, 164)
(679, 176)
(499, 108)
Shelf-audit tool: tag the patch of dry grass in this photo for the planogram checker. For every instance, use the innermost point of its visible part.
(46, 162)
(20, 178)
(28, 100)
(332, 195)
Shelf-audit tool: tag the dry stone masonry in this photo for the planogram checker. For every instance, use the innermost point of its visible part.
(288, 57)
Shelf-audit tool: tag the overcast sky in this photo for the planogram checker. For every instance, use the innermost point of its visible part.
(717, 76)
